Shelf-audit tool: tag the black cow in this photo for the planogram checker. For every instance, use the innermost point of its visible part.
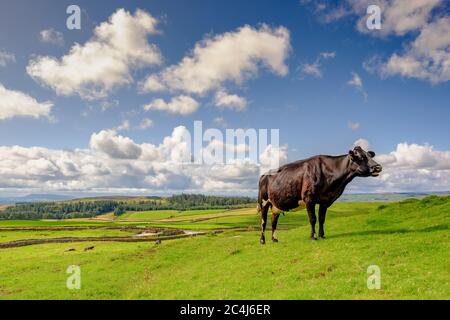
(317, 180)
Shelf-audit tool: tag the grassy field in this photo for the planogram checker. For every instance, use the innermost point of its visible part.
(409, 241)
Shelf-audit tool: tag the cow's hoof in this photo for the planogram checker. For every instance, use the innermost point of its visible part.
(322, 237)
(313, 238)
(274, 239)
(262, 241)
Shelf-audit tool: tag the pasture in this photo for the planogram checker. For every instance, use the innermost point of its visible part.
(409, 241)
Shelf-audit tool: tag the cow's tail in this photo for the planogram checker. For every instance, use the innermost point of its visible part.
(261, 191)
(259, 205)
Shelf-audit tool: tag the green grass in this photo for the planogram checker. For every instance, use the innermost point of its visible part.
(163, 214)
(51, 223)
(409, 241)
(46, 234)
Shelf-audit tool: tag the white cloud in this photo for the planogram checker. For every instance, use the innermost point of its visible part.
(230, 101)
(52, 36)
(357, 83)
(415, 156)
(328, 55)
(106, 105)
(146, 123)
(18, 104)
(410, 167)
(363, 143)
(114, 163)
(220, 121)
(6, 57)
(427, 57)
(103, 63)
(124, 126)
(229, 57)
(353, 125)
(182, 105)
(313, 69)
(398, 16)
(115, 146)
(272, 158)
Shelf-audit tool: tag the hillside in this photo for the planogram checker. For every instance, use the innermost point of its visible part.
(409, 241)
(386, 197)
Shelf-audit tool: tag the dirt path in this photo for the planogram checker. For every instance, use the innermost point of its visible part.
(75, 228)
(29, 242)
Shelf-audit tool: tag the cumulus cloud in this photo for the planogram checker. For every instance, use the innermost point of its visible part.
(230, 57)
(357, 83)
(146, 123)
(411, 167)
(94, 69)
(115, 146)
(363, 143)
(18, 104)
(6, 57)
(114, 163)
(52, 36)
(426, 58)
(415, 156)
(353, 125)
(106, 105)
(220, 121)
(182, 105)
(225, 100)
(272, 157)
(314, 69)
(125, 125)
(398, 16)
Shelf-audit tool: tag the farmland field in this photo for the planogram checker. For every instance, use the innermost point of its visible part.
(409, 241)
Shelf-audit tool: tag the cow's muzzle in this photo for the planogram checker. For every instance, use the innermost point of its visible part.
(376, 170)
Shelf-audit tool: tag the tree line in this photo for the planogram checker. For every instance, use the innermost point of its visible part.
(92, 208)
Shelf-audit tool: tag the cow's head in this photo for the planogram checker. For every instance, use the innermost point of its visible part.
(363, 163)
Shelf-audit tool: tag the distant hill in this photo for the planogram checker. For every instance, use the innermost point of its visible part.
(36, 197)
(386, 197)
(351, 197)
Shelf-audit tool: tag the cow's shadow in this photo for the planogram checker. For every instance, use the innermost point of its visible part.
(439, 227)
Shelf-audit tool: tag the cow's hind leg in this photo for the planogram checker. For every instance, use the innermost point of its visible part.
(322, 215)
(275, 217)
(264, 210)
(311, 208)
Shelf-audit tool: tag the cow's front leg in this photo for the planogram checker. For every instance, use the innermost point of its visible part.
(322, 215)
(275, 217)
(311, 208)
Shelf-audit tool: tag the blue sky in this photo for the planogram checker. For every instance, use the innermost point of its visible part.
(316, 114)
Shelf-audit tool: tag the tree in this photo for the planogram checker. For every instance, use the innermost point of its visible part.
(118, 211)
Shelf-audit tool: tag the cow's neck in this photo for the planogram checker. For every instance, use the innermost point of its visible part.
(345, 174)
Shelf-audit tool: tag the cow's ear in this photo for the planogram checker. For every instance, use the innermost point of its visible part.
(351, 154)
(371, 154)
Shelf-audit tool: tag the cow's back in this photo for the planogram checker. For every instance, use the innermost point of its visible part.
(291, 181)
